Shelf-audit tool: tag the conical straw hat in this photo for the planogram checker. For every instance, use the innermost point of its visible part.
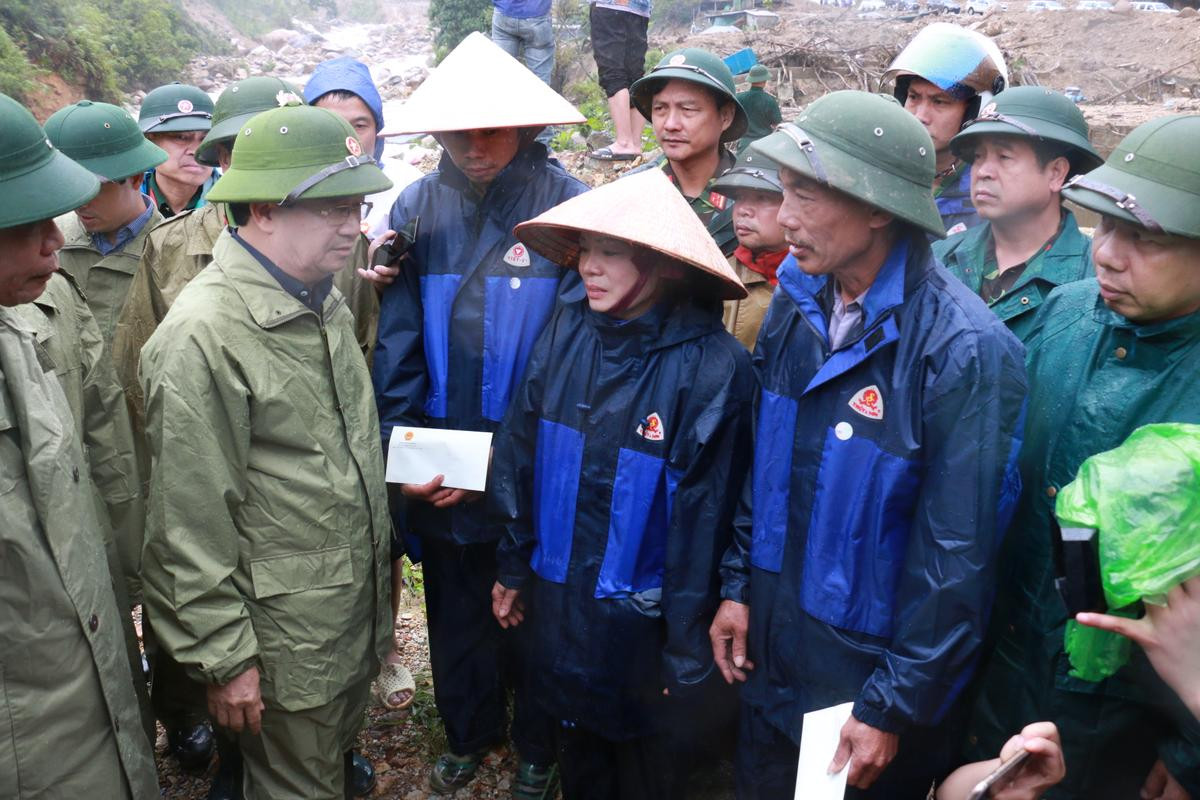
(480, 86)
(644, 209)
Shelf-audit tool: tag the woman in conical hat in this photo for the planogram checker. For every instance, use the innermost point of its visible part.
(455, 332)
(611, 478)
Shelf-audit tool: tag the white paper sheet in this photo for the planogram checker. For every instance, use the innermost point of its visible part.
(418, 455)
(822, 729)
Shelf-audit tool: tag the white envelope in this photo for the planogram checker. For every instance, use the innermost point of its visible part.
(822, 730)
(418, 455)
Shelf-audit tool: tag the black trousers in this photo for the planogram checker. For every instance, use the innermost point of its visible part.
(595, 768)
(475, 662)
(766, 762)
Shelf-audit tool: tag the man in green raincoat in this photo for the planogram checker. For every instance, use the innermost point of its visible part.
(1022, 148)
(66, 691)
(267, 562)
(1105, 357)
(105, 236)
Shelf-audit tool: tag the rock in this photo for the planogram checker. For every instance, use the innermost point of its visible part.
(1123, 7)
(598, 139)
(241, 74)
(1188, 11)
(578, 140)
(415, 794)
(278, 38)
(381, 767)
(206, 83)
(259, 52)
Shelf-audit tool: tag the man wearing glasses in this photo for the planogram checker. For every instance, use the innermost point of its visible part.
(266, 567)
(175, 117)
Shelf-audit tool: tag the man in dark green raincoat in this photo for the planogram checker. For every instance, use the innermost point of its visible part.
(1105, 357)
(1022, 148)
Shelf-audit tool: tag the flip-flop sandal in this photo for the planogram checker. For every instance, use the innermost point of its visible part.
(607, 154)
(394, 678)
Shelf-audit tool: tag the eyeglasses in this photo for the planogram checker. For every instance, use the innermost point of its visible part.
(339, 215)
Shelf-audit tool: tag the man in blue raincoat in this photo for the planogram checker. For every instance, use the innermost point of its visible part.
(862, 568)
(455, 332)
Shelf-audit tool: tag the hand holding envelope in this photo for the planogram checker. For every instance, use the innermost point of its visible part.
(418, 457)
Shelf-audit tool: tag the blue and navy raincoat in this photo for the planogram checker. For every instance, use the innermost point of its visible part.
(611, 477)
(953, 199)
(458, 325)
(884, 474)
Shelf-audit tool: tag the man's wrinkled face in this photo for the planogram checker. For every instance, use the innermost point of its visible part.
(825, 229)
(756, 220)
(181, 164)
(357, 113)
(483, 152)
(1146, 277)
(317, 236)
(28, 257)
(687, 121)
(1008, 181)
(109, 210)
(940, 113)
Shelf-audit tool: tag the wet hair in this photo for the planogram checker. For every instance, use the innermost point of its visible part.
(691, 286)
(339, 94)
(239, 213)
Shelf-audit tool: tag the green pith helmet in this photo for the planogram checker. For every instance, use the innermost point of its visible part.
(758, 74)
(176, 107)
(297, 152)
(103, 138)
(236, 105)
(698, 66)
(752, 171)
(1152, 178)
(1034, 113)
(867, 146)
(36, 181)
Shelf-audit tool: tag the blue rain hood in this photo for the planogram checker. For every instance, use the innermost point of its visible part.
(345, 74)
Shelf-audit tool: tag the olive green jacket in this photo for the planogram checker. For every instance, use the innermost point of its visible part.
(67, 332)
(268, 539)
(70, 717)
(175, 252)
(1094, 377)
(104, 280)
(1069, 258)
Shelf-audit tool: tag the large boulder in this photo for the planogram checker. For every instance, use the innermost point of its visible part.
(278, 38)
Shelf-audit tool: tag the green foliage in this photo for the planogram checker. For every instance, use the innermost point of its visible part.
(453, 20)
(673, 13)
(108, 46)
(16, 73)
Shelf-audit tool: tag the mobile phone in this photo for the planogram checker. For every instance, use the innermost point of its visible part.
(1008, 769)
(388, 254)
(1079, 581)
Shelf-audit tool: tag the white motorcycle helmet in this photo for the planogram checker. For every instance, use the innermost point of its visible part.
(963, 63)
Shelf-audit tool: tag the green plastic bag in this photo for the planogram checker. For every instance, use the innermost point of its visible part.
(1144, 499)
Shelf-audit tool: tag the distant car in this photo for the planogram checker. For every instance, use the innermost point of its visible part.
(1153, 5)
(1045, 5)
(943, 6)
(984, 6)
(871, 5)
(903, 5)
(1074, 93)
(1093, 5)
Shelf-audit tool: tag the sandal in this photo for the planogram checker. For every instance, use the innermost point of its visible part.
(607, 154)
(394, 679)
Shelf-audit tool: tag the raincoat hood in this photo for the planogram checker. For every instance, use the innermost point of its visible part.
(345, 74)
